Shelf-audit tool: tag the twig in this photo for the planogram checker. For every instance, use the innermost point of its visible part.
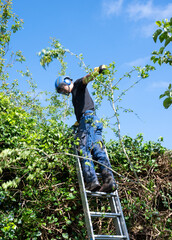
(127, 90)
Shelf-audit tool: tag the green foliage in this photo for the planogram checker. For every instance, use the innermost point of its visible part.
(168, 94)
(35, 178)
(9, 24)
(55, 52)
(107, 86)
(164, 33)
(39, 194)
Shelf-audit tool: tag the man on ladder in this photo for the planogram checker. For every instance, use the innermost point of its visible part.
(91, 144)
(89, 131)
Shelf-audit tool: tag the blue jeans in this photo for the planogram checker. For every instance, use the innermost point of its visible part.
(91, 145)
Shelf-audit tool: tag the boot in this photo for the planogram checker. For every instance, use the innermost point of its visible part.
(93, 186)
(109, 184)
(108, 187)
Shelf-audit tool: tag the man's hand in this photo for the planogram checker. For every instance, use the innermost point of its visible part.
(101, 69)
(74, 127)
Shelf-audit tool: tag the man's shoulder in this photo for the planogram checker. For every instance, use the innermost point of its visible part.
(79, 82)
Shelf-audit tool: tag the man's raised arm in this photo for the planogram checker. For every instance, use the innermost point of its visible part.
(97, 70)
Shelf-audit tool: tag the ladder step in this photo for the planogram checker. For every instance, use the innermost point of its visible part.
(104, 214)
(101, 194)
(106, 237)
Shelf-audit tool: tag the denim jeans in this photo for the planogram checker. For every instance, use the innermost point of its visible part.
(91, 145)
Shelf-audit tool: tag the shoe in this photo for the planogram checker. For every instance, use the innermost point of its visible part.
(93, 186)
(108, 187)
(109, 184)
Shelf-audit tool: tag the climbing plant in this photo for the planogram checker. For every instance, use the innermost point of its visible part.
(164, 34)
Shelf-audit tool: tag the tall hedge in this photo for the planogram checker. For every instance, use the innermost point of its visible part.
(39, 195)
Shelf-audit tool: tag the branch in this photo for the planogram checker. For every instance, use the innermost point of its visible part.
(123, 147)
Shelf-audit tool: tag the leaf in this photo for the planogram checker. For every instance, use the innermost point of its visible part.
(154, 59)
(163, 36)
(156, 34)
(170, 21)
(70, 196)
(65, 235)
(155, 52)
(158, 23)
(159, 61)
(161, 50)
(162, 95)
(167, 102)
(88, 163)
(167, 41)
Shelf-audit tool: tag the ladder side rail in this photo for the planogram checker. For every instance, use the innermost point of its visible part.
(116, 221)
(122, 219)
(116, 202)
(84, 200)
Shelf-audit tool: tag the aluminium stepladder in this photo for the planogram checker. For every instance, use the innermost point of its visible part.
(116, 213)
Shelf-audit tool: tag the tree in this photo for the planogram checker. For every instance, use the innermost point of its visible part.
(164, 34)
(10, 23)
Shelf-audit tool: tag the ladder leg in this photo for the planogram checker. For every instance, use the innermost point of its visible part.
(116, 205)
(84, 201)
(117, 222)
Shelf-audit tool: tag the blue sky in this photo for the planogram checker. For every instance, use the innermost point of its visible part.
(103, 31)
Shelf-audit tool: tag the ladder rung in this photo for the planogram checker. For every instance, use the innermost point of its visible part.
(101, 194)
(106, 237)
(104, 214)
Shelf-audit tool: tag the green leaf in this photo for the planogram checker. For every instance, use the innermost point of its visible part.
(162, 95)
(70, 196)
(167, 41)
(88, 163)
(154, 59)
(156, 34)
(170, 21)
(167, 102)
(65, 235)
(155, 52)
(159, 23)
(161, 50)
(163, 36)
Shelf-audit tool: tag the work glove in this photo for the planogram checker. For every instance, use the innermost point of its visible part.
(75, 127)
(101, 69)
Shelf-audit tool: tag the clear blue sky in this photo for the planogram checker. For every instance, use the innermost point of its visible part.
(104, 31)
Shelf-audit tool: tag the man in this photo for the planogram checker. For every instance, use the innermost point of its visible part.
(89, 131)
